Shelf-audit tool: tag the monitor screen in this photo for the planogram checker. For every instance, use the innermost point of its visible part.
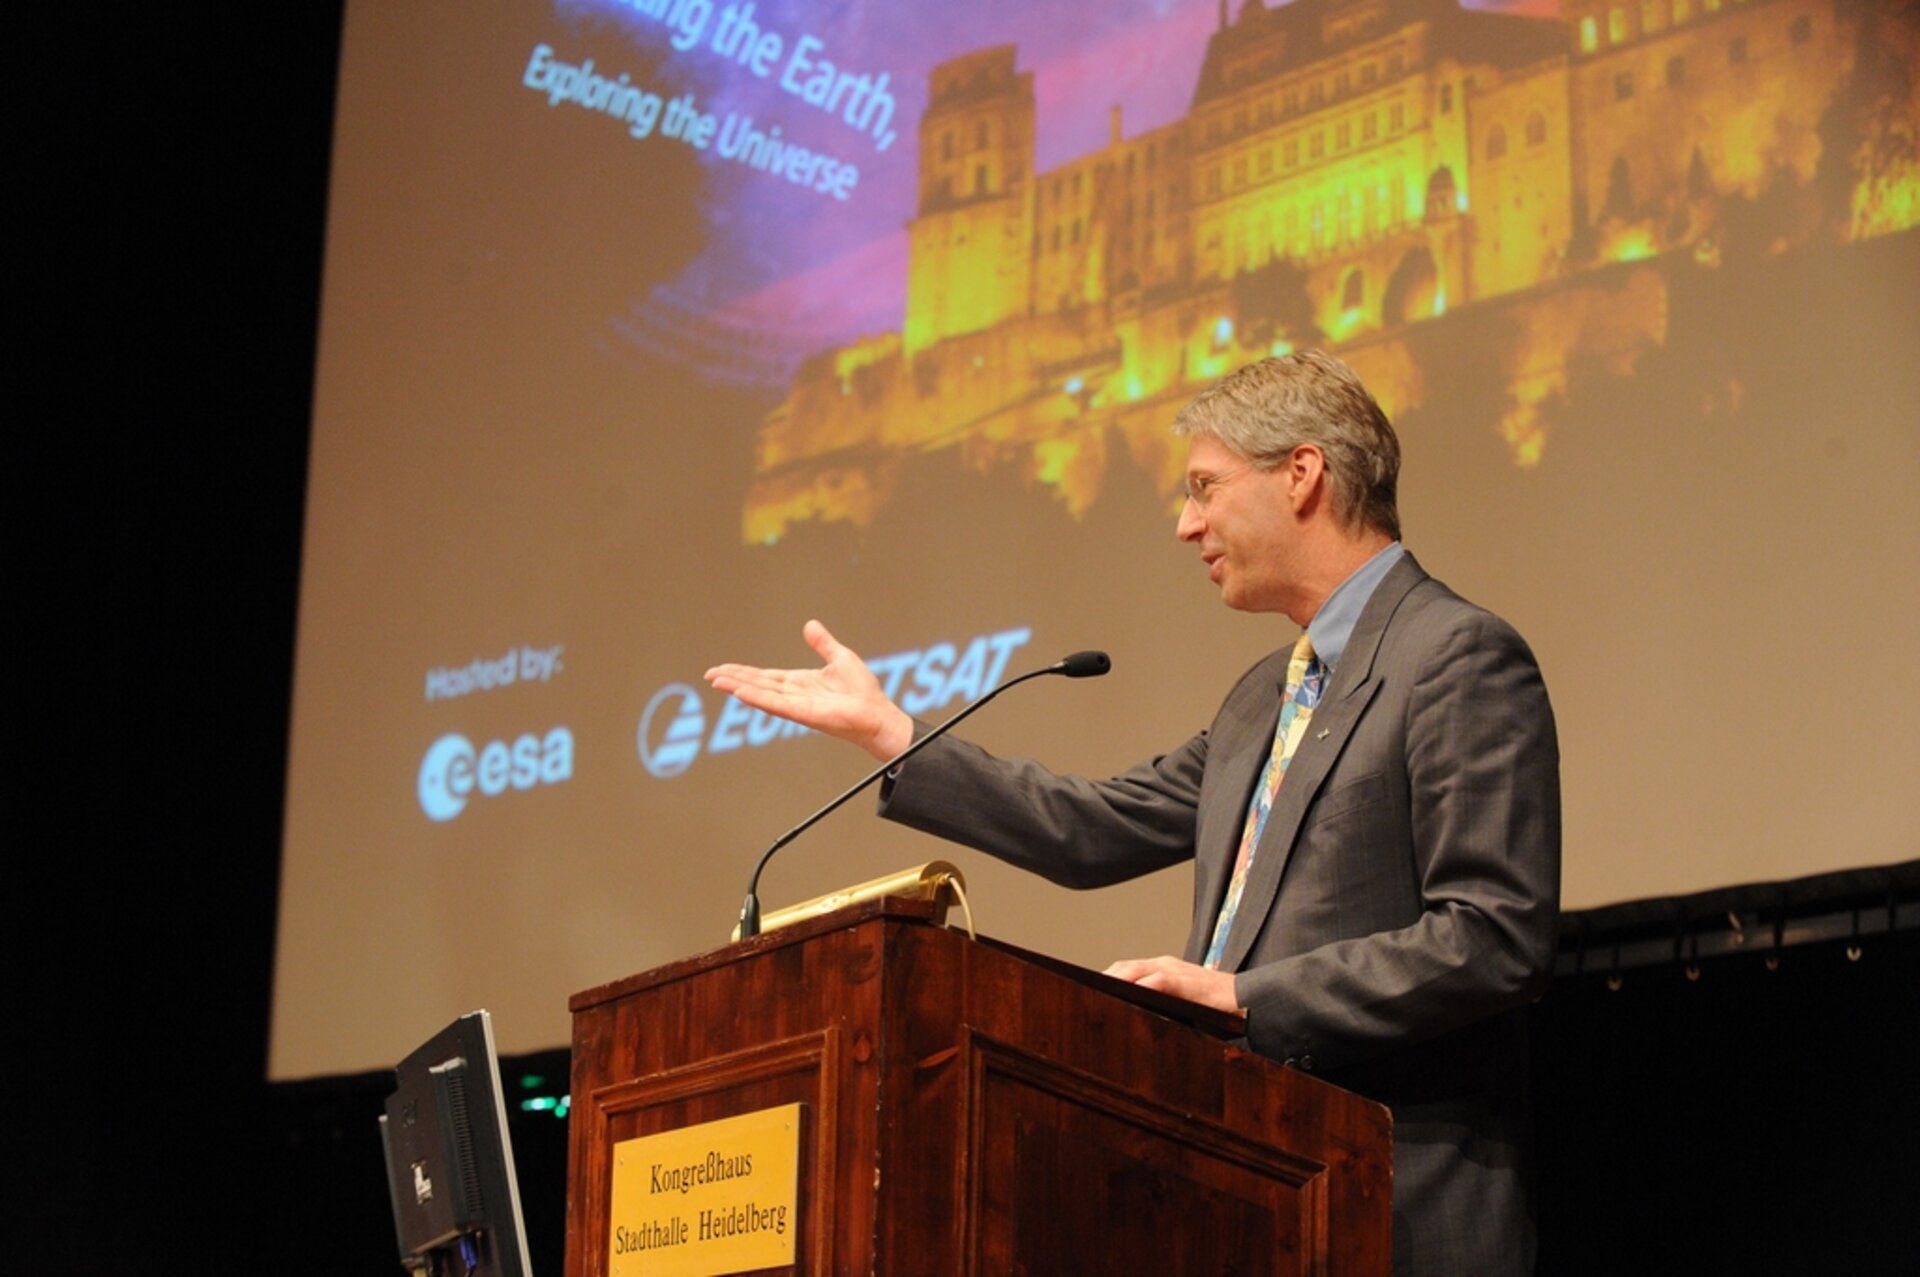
(456, 1198)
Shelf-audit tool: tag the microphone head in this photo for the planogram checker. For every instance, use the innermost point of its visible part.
(1085, 665)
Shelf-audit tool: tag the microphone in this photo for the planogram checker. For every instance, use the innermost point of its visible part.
(1078, 665)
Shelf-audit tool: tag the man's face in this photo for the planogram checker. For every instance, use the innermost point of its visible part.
(1243, 523)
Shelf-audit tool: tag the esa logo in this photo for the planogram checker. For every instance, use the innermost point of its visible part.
(674, 727)
(453, 772)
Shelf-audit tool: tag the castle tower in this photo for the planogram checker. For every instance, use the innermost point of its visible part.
(970, 251)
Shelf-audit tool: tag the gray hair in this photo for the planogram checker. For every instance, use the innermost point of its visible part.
(1267, 409)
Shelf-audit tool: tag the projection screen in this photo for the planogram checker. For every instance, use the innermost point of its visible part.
(652, 329)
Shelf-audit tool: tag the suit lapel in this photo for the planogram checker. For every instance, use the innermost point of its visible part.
(1334, 719)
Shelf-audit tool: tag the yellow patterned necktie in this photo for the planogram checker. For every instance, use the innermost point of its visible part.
(1305, 679)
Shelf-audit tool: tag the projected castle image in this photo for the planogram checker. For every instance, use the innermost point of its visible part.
(1348, 170)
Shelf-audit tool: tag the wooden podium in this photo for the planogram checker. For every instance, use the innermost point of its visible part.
(970, 1108)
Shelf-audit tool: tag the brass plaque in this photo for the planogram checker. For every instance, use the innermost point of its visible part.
(720, 1197)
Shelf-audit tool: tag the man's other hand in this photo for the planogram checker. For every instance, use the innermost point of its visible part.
(1204, 985)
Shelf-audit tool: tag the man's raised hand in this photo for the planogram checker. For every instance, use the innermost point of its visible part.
(842, 698)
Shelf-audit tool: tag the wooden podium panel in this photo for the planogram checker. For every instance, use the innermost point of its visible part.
(972, 1109)
(1064, 1169)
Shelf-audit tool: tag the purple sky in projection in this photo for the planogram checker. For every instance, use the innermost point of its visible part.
(783, 258)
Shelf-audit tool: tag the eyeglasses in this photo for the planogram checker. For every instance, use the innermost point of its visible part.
(1200, 487)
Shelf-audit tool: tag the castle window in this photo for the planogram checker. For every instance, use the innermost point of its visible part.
(1619, 189)
(1354, 294)
(1266, 161)
(1650, 16)
(1369, 126)
(1622, 86)
(1291, 103)
(1291, 155)
(1446, 98)
(1737, 51)
(1396, 117)
(1699, 181)
(979, 179)
(1616, 25)
(1369, 74)
(1676, 72)
(1316, 145)
(1536, 129)
(1240, 172)
(1149, 203)
(1589, 34)
(1342, 83)
(1496, 142)
(1682, 10)
(1802, 29)
(1077, 226)
(1342, 135)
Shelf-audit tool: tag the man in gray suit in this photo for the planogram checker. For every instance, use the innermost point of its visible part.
(1374, 815)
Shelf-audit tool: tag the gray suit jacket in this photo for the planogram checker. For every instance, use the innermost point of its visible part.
(1402, 907)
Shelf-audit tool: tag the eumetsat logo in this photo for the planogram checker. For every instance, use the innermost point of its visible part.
(673, 727)
(669, 746)
(454, 772)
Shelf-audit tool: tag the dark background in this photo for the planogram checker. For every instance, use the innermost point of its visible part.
(175, 168)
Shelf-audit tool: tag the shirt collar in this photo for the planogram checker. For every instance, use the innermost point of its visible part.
(1333, 624)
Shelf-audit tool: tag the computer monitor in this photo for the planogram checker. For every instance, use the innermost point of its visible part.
(456, 1200)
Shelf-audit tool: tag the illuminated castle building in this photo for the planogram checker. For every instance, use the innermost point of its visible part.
(1348, 168)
